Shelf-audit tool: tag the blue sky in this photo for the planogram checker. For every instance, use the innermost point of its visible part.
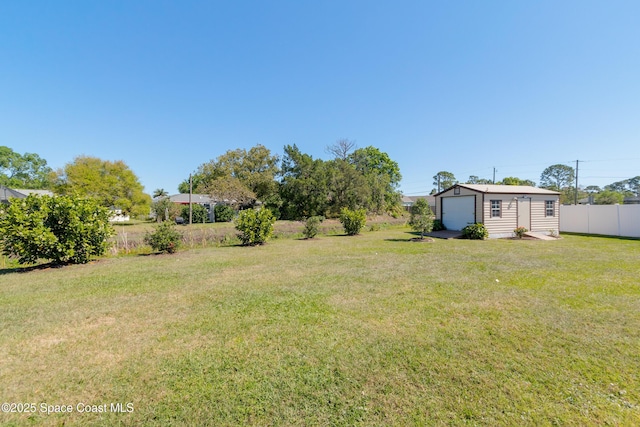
(459, 86)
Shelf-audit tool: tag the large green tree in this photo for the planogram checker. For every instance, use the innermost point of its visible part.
(382, 176)
(627, 187)
(113, 184)
(26, 170)
(238, 176)
(560, 178)
(557, 177)
(443, 180)
(304, 187)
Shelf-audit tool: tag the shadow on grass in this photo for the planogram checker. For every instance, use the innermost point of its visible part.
(30, 268)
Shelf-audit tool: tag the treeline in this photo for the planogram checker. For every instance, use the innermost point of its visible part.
(298, 186)
(112, 183)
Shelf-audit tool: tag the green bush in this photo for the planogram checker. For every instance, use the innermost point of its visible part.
(255, 226)
(311, 226)
(438, 225)
(164, 238)
(199, 214)
(224, 213)
(519, 232)
(475, 232)
(62, 229)
(353, 221)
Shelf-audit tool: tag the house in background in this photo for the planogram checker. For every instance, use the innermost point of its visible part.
(408, 201)
(501, 208)
(197, 199)
(7, 193)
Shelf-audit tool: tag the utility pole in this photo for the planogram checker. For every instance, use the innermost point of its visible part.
(576, 195)
(494, 175)
(190, 207)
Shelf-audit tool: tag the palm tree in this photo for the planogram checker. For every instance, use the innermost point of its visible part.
(160, 192)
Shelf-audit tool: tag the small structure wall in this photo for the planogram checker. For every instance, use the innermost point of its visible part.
(504, 225)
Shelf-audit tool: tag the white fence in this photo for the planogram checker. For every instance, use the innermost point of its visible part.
(611, 220)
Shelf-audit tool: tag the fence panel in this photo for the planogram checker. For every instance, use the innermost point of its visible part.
(611, 220)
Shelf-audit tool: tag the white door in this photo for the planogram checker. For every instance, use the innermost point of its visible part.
(458, 212)
(524, 212)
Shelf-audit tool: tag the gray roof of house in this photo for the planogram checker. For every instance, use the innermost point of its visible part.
(413, 199)
(195, 198)
(6, 193)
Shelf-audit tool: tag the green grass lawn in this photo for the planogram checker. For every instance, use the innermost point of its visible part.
(365, 330)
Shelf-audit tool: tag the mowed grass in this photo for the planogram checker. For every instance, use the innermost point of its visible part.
(365, 330)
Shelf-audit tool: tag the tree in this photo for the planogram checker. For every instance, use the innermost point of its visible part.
(342, 147)
(473, 179)
(557, 177)
(421, 217)
(347, 187)
(160, 192)
(26, 170)
(113, 184)
(443, 180)
(62, 229)
(609, 197)
(239, 177)
(628, 187)
(304, 188)
(382, 178)
(512, 180)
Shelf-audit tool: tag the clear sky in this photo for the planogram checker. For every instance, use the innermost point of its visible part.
(459, 86)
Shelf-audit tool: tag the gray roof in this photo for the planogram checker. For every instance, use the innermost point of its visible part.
(36, 192)
(195, 198)
(503, 189)
(6, 193)
(413, 199)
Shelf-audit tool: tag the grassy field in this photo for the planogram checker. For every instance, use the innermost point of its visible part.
(365, 330)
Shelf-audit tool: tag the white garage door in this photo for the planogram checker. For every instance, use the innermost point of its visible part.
(458, 212)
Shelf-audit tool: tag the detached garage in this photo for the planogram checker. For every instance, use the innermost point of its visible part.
(501, 208)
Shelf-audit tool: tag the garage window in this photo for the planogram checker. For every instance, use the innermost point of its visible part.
(496, 208)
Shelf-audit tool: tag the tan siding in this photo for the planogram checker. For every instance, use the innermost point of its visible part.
(508, 222)
(539, 221)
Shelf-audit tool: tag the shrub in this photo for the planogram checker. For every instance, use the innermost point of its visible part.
(311, 226)
(224, 213)
(438, 225)
(353, 221)
(255, 226)
(519, 232)
(421, 217)
(164, 238)
(62, 229)
(475, 232)
(199, 214)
